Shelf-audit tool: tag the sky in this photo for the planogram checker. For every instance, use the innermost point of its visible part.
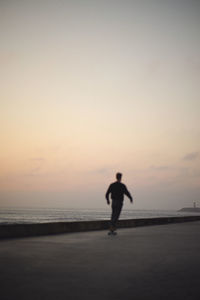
(90, 88)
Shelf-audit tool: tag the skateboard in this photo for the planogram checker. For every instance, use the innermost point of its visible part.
(112, 233)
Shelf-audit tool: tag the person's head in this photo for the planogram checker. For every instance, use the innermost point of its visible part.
(119, 176)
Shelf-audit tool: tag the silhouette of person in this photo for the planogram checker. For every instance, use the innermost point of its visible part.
(117, 191)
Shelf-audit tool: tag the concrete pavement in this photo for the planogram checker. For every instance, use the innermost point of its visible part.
(154, 262)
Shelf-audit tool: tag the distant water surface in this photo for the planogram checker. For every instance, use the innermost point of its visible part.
(46, 215)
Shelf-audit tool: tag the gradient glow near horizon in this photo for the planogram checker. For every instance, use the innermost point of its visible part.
(90, 88)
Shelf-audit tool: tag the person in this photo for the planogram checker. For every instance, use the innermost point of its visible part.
(117, 191)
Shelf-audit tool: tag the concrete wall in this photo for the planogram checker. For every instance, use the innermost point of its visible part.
(22, 230)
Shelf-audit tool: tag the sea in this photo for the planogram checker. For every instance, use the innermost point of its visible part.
(47, 215)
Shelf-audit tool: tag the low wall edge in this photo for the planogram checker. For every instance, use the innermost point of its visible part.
(38, 229)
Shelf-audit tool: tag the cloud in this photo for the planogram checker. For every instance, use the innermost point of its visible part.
(35, 166)
(159, 168)
(191, 156)
(100, 171)
(104, 171)
(37, 159)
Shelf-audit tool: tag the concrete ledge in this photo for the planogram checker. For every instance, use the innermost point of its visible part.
(23, 230)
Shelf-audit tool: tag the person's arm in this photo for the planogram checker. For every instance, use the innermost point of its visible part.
(107, 194)
(126, 192)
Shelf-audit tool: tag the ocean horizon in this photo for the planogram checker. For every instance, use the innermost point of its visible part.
(47, 215)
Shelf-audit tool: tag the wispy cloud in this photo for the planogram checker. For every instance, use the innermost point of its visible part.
(37, 159)
(191, 156)
(159, 168)
(35, 164)
(100, 171)
(103, 171)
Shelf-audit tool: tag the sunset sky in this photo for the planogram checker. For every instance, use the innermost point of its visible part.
(93, 87)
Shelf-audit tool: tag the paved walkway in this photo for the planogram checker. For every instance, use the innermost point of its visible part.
(154, 262)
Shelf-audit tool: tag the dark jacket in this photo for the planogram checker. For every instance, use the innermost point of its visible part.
(117, 190)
